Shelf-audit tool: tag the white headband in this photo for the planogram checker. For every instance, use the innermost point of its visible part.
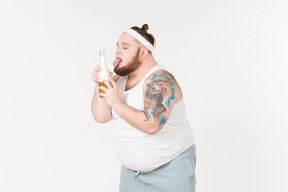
(141, 39)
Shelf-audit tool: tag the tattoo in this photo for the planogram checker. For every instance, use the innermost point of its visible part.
(160, 91)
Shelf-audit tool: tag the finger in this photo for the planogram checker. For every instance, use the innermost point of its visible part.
(110, 74)
(107, 84)
(94, 77)
(102, 94)
(103, 88)
(113, 83)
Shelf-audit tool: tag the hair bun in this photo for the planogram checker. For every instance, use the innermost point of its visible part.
(145, 27)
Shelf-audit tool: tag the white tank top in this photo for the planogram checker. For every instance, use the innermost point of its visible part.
(144, 152)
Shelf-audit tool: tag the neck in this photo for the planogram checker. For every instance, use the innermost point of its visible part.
(144, 68)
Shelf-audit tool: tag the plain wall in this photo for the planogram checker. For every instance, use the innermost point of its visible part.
(229, 57)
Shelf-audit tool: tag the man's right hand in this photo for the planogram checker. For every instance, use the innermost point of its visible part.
(95, 74)
(100, 109)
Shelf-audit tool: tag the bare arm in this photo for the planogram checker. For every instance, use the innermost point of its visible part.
(161, 92)
(100, 109)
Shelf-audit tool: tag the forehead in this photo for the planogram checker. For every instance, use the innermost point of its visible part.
(126, 38)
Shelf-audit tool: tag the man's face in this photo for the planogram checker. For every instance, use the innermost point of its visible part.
(127, 53)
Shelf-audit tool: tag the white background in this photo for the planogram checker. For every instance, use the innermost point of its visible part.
(230, 58)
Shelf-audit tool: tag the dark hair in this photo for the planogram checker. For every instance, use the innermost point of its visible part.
(143, 32)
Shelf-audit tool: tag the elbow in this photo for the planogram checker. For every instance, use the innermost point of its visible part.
(100, 120)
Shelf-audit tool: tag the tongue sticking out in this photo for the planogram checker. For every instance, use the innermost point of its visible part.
(116, 62)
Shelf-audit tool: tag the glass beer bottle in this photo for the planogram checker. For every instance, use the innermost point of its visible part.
(104, 73)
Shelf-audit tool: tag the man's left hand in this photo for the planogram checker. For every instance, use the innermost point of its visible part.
(111, 93)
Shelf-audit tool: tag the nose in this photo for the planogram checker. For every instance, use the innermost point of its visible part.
(118, 51)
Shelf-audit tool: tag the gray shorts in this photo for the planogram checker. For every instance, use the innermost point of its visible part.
(177, 175)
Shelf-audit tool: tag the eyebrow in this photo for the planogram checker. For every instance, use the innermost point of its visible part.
(122, 43)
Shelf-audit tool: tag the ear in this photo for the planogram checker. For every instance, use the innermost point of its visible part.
(144, 52)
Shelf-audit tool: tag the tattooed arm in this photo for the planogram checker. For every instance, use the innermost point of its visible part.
(161, 92)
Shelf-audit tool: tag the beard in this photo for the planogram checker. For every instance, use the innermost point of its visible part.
(130, 67)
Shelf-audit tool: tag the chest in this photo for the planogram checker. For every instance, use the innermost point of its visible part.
(132, 97)
(131, 83)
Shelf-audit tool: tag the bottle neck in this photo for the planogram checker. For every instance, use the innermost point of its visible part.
(103, 64)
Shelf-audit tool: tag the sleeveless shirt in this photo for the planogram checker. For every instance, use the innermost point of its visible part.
(144, 152)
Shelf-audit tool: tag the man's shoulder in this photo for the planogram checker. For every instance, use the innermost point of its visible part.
(164, 82)
(160, 75)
